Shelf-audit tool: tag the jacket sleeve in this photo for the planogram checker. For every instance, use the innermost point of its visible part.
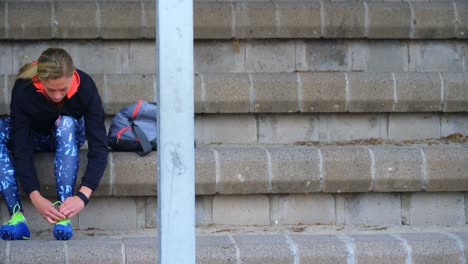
(21, 142)
(97, 139)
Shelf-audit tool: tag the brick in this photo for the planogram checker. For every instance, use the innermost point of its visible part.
(76, 20)
(333, 127)
(378, 248)
(212, 20)
(322, 92)
(456, 95)
(243, 170)
(447, 169)
(6, 58)
(286, 129)
(127, 25)
(436, 56)
(99, 57)
(149, 11)
(346, 169)
(142, 56)
(108, 210)
(143, 250)
(215, 129)
(98, 251)
(151, 216)
(134, 175)
(118, 87)
(368, 55)
(226, 93)
(274, 92)
(241, 210)
(295, 169)
(215, 249)
(219, 56)
(270, 56)
(205, 171)
(389, 20)
(373, 209)
(454, 123)
(253, 248)
(256, 20)
(299, 20)
(433, 209)
(433, 21)
(320, 249)
(417, 126)
(344, 20)
(37, 252)
(23, 25)
(462, 10)
(3, 27)
(324, 55)
(432, 248)
(370, 92)
(418, 92)
(397, 169)
(303, 209)
(203, 210)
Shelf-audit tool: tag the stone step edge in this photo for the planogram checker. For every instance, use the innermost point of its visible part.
(288, 169)
(228, 20)
(304, 92)
(281, 248)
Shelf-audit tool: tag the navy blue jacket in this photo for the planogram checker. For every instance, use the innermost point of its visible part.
(31, 110)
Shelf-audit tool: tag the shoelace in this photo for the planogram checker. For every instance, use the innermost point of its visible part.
(62, 222)
(16, 217)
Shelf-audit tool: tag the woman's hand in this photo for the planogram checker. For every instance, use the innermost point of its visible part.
(46, 208)
(71, 206)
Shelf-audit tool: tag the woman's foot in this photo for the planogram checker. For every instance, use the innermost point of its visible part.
(63, 230)
(16, 228)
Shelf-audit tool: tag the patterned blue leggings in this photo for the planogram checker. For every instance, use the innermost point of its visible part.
(66, 138)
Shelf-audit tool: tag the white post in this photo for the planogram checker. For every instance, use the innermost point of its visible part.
(176, 153)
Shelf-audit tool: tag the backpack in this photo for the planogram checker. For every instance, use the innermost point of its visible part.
(134, 128)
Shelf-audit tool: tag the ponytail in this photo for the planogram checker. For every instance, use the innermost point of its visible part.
(53, 63)
(28, 71)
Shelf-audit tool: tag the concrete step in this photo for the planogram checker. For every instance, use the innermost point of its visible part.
(396, 209)
(294, 244)
(305, 92)
(290, 169)
(239, 20)
(137, 57)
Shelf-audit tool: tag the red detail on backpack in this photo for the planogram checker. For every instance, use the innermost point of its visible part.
(137, 108)
(119, 134)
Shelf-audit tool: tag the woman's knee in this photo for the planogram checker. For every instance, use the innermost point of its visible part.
(70, 130)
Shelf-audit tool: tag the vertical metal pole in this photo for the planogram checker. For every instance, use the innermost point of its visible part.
(176, 165)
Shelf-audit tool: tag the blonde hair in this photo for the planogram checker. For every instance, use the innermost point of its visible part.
(53, 63)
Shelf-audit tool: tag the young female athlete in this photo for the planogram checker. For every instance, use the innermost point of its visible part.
(54, 107)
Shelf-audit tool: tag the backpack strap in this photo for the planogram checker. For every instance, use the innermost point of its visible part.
(144, 142)
(140, 135)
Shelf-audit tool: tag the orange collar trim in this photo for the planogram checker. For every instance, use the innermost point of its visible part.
(75, 83)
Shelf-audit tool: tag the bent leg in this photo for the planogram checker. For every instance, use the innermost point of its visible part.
(9, 185)
(69, 136)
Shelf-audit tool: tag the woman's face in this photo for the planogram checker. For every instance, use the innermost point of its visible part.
(57, 89)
